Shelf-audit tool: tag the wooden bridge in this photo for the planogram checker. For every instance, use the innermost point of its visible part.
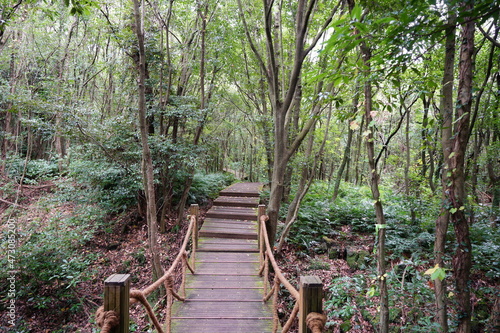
(225, 286)
(225, 294)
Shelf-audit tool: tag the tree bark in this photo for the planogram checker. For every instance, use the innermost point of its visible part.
(345, 159)
(147, 161)
(442, 221)
(455, 190)
(374, 180)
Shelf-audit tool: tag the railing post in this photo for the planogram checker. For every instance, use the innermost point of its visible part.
(195, 210)
(311, 299)
(261, 211)
(117, 298)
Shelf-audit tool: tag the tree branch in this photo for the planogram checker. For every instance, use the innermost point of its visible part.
(250, 41)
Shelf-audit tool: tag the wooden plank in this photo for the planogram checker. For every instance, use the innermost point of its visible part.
(228, 248)
(228, 241)
(228, 233)
(236, 210)
(219, 282)
(222, 326)
(243, 190)
(230, 309)
(237, 201)
(227, 268)
(230, 224)
(226, 257)
(237, 213)
(222, 294)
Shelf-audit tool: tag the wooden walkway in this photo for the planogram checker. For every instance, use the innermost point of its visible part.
(225, 294)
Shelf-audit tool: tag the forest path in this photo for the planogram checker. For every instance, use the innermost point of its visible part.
(225, 294)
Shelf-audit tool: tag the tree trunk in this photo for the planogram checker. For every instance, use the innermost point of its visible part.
(147, 161)
(442, 221)
(455, 191)
(199, 129)
(374, 180)
(345, 158)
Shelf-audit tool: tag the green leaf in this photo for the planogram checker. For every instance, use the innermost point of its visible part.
(436, 273)
(356, 12)
(439, 274)
(371, 292)
(384, 20)
(378, 227)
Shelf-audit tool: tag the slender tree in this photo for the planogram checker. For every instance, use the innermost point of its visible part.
(283, 87)
(147, 161)
(455, 188)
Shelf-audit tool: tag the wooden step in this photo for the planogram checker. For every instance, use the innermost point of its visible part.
(233, 213)
(217, 244)
(243, 190)
(252, 202)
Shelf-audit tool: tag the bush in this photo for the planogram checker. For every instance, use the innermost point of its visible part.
(345, 297)
(36, 170)
(208, 186)
(485, 245)
(319, 216)
(109, 185)
(50, 262)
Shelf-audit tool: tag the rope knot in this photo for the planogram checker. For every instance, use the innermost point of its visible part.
(316, 322)
(107, 319)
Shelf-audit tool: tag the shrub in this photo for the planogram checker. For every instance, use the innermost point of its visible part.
(109, 185)
(485, 245)
(36, 170)
(208, 186)
(50, 263)
(345, 297)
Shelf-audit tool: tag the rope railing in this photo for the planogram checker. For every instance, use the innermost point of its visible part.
(113, 316)
(308, 299)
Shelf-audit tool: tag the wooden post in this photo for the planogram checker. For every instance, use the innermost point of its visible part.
(117, 298)
(195, 210)
(261, 211)
(311, 299)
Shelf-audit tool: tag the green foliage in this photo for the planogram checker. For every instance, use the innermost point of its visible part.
(207, 186)
(485, 245)
(53, 262)
(345, 297)
(319, 216)
(109, 185)
(410, 298)
(36, 170)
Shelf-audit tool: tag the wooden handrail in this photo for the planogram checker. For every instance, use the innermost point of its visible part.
(270, 255)
(120, 308)
(308, 298)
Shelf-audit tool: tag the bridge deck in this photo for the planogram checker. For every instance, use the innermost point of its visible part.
(225, 294)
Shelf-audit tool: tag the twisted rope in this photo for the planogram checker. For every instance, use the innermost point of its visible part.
(316, 322)
(106, 319)
(290, 320)
(139, 295)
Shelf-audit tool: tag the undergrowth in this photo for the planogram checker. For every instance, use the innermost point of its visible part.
(409, 245)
